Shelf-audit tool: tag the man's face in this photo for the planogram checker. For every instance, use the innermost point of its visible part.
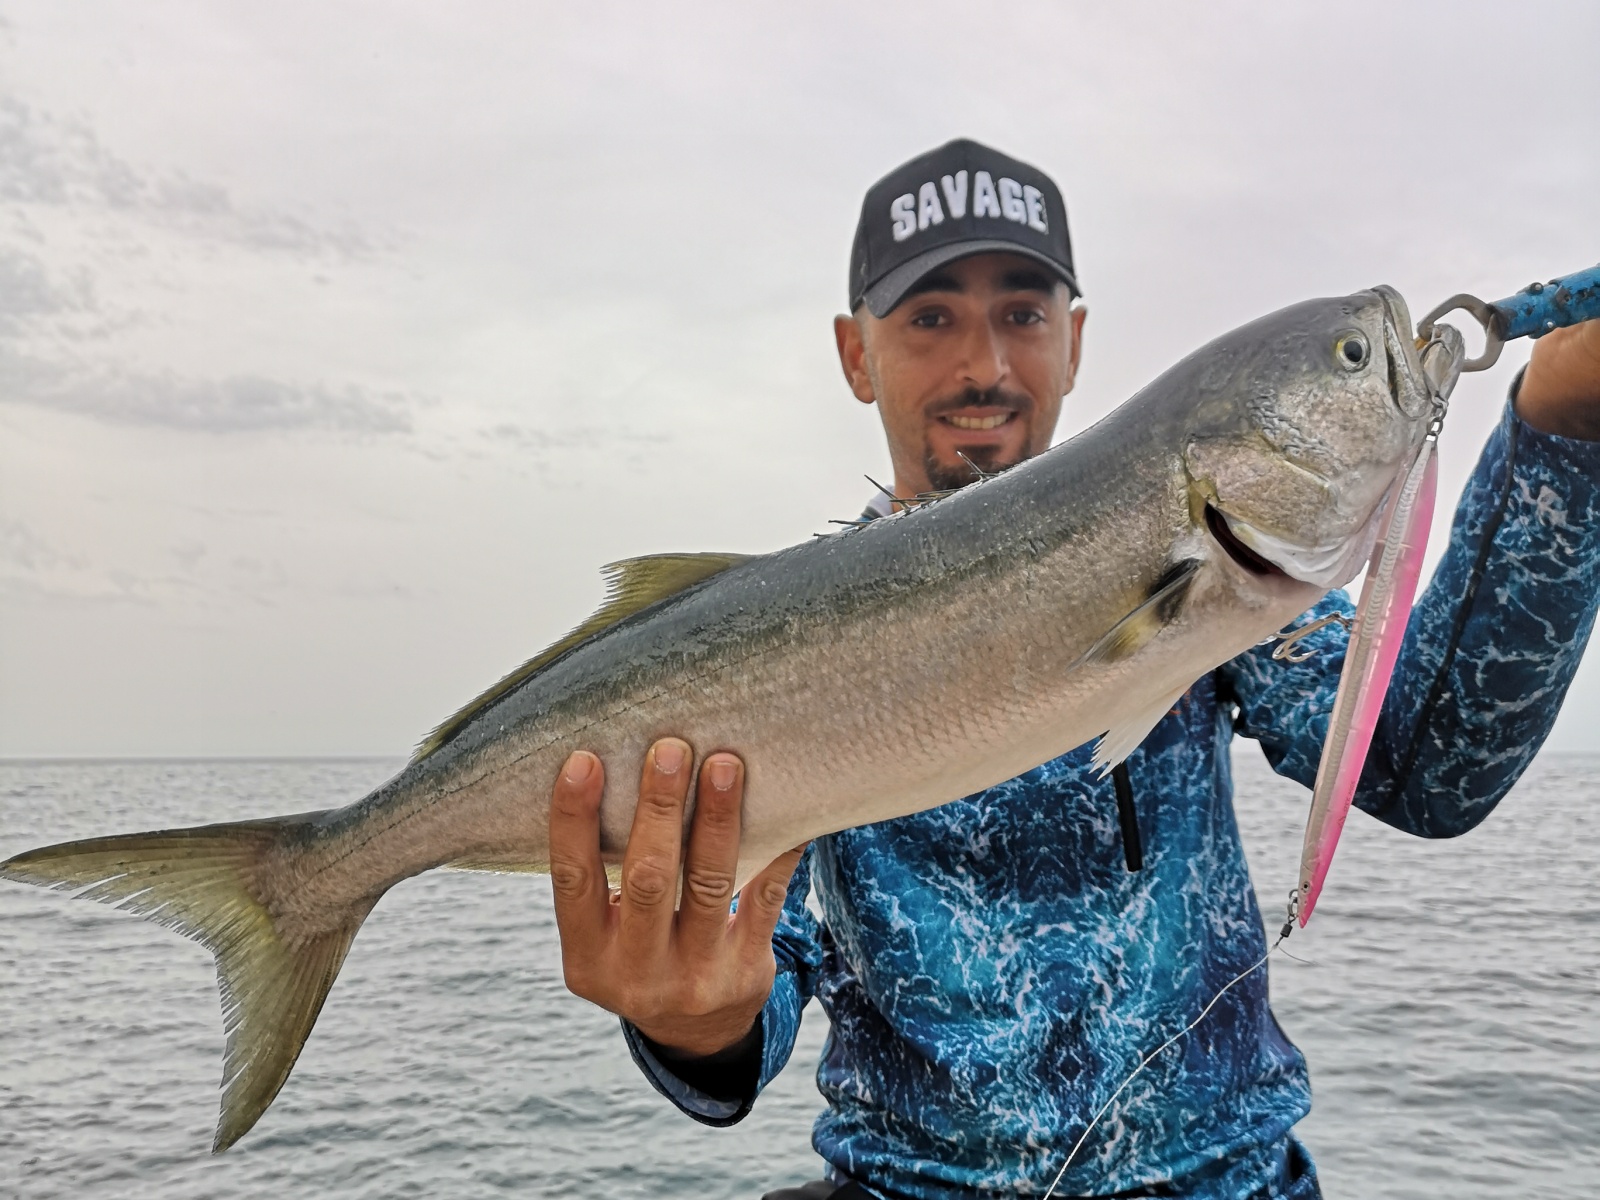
(973, 362)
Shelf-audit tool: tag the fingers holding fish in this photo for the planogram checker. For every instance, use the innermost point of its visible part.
(712, 858)
(577, 873)
(762, 899)
(663, 956)
(652, 860)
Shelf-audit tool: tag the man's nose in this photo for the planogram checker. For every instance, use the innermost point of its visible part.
(983, 362)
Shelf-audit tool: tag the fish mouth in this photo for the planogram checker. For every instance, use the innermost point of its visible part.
(1235, 549)
(1404, 361)
(1266, 556)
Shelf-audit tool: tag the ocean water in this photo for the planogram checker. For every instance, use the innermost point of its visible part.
(1450, 1011)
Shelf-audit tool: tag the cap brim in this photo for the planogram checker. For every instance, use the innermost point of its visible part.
(882, 297)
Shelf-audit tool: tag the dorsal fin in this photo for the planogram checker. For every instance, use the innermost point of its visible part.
(631, 585)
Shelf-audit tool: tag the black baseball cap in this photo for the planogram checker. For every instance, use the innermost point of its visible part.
(949, 203)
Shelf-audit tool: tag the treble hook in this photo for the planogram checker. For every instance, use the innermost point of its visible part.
(1291, 637)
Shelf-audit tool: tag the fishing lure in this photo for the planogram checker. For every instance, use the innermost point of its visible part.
(1396, 565)
(1380, 625)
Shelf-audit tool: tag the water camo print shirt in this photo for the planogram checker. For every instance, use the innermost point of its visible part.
(993, 969)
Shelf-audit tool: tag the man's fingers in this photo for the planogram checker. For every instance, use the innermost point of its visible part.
(713, 856)
(761, 901)
(577, 874)
(1560, 390)
(651, 861)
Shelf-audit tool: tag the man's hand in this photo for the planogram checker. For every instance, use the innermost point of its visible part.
(1561, 391)
(691, 977)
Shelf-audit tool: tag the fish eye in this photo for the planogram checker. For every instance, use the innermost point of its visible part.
(1352, 351)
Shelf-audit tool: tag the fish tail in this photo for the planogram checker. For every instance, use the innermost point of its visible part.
(201, 882)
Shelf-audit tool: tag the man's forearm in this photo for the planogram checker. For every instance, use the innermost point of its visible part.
(1497, 637)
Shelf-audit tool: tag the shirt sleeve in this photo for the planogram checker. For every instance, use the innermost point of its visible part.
(1489, 652)
(796, 945)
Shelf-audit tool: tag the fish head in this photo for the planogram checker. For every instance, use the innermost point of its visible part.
(1302, 423)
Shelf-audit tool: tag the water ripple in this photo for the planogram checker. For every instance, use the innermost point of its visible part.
(1450, 1019)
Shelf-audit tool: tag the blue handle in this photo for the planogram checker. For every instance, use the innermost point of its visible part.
(1541, 307)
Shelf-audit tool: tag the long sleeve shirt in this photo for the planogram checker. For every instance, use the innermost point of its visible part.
(992, 969)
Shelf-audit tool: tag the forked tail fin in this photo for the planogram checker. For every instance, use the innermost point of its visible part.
(199, 882)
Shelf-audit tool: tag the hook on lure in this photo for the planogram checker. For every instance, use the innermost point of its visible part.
(1289, 650)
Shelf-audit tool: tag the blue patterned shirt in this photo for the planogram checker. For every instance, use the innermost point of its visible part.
(992, 969)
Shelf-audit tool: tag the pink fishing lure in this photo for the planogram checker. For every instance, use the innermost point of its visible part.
(1380, 626)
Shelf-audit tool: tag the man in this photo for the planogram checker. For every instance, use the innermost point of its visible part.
(993, 969)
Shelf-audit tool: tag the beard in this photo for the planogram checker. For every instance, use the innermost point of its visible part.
(989, 460)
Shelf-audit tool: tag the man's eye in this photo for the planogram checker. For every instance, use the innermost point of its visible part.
(1027, 316)
(927, 320)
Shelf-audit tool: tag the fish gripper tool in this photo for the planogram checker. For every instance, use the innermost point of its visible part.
(1532, 312)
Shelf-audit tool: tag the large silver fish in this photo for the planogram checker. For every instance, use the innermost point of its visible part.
(921, 658)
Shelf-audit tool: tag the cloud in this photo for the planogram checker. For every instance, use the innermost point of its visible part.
(231, 404)
(29, 564)
(51, 161)
(40, 317)
(44, 315)
(28, 292)
(578, 437)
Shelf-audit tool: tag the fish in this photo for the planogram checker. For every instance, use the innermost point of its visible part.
(861, 676)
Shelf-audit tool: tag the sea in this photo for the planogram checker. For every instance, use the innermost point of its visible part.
(1448, 1002)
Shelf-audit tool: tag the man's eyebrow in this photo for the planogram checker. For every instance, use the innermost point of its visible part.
(1026, 281)
(936, 282)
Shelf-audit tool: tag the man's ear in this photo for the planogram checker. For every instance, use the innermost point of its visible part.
(1077, 314)
(851, 340)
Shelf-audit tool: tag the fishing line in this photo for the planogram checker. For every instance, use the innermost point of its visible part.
(1294, 898)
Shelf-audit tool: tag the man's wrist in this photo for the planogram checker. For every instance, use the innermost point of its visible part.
(676, 1056)
(731, 1075)
(1570, 420)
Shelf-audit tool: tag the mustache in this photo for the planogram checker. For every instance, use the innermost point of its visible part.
(994, 397)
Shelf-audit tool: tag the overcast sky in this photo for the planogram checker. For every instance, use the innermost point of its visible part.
(341, 343)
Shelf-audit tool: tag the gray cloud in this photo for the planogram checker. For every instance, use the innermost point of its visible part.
(579, 437)
(232, 404)
(46, 311)
(47, 160)
(42, 315)
(28, 292)
(30, 564)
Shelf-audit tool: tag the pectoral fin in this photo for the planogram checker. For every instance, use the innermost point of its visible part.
(1135, 631)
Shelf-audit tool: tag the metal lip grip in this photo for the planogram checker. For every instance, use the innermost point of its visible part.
(1532, 312)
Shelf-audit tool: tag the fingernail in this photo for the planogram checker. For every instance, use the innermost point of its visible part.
(669, 757)
(723, 772)
(579, 764)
